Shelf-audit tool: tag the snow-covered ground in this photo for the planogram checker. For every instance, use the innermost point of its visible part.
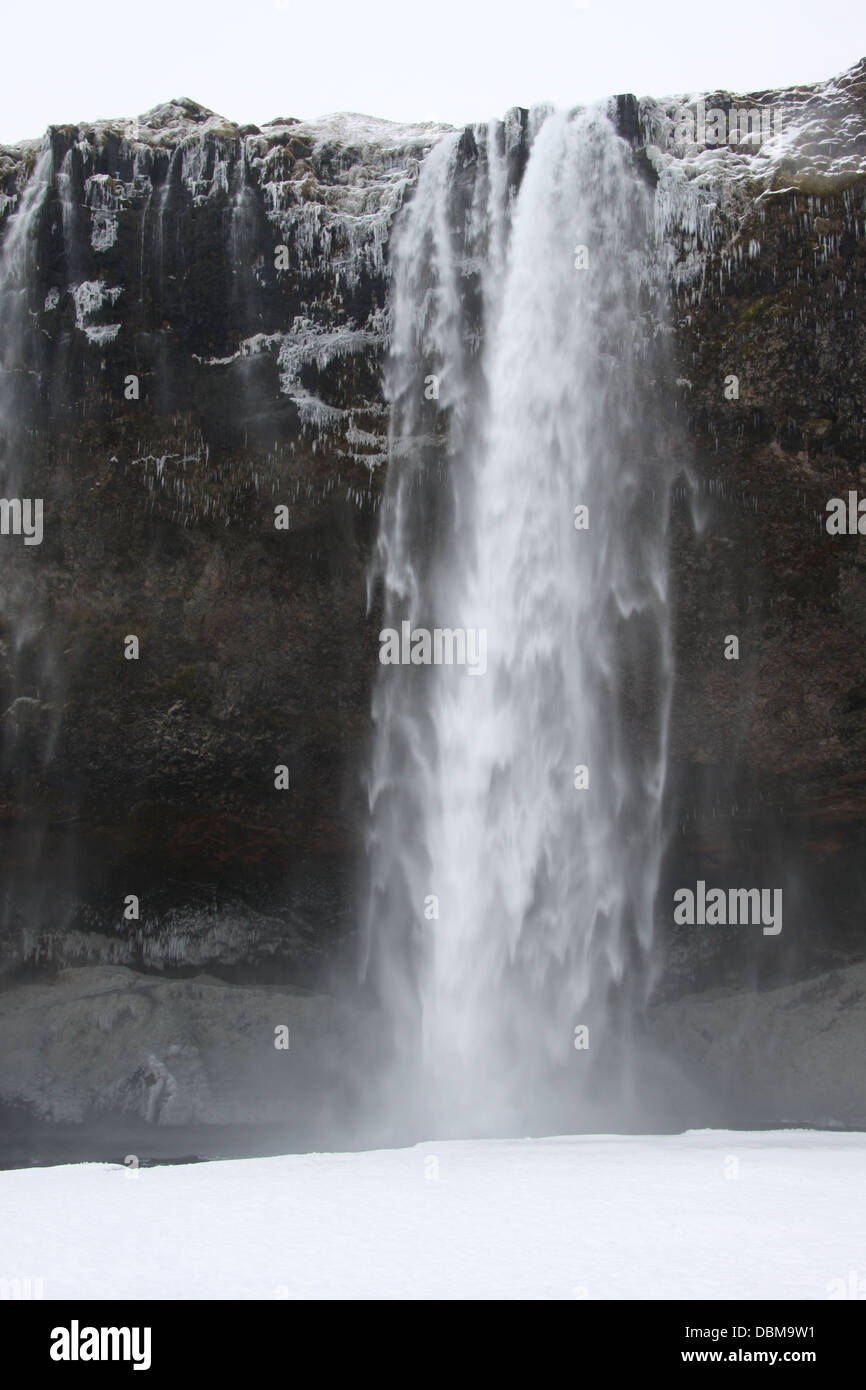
(707, 1214)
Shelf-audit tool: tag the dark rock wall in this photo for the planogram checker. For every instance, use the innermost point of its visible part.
(768, 774)
(258, 387)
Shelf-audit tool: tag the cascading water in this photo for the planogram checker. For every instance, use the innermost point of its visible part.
(29, 690)
(509, 904)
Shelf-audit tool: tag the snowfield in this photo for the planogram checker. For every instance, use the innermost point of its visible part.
(704, 1215)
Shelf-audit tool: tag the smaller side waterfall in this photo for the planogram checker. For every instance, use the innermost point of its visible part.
(30, 697)
(20, 393)
(516, 814)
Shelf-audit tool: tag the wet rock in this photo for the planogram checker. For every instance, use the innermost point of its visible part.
(106, 1041)
(788, 1056)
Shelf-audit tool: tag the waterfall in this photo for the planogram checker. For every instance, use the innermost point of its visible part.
(17, 274)
(28, 659)
(30, 700)
(509, 905)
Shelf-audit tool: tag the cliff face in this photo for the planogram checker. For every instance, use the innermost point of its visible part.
(767, 776)
(199, 344)
(194, 337)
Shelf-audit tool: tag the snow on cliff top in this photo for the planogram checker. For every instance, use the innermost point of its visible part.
(822, 138)
(171, 122)
(357, 130)
(816, 144)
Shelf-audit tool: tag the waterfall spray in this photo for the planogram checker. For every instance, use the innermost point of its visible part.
(516, 823)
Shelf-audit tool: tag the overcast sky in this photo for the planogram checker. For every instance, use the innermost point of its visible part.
(449, 60)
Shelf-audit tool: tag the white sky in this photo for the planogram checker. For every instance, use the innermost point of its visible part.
(449, 60)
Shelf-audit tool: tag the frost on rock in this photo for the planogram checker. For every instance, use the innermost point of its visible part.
(330, 187)
(333, 186)
(104, 196)
(89, 298)
(310, 344)
(104, 333)
(812, 141)
(304, 210)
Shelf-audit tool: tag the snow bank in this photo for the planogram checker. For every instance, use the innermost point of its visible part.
(704, 1215)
